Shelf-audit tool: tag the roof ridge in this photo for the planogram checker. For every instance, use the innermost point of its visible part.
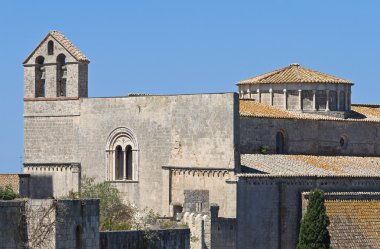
(69, 47)
(294, 73)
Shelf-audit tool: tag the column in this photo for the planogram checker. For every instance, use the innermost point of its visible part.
(112, 165)
(314, 100)
(258, 95)
(285, 98)
(327, 100)
(300, 99)
(346, 100)
(124, 164)
(271, 96)
(241, 94)
(249, 93)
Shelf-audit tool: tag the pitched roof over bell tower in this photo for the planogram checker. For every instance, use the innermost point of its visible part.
(65, 43)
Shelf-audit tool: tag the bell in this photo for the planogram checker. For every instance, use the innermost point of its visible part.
(43, 75)
(64, 76)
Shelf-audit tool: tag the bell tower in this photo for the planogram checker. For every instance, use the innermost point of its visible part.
(55, 69)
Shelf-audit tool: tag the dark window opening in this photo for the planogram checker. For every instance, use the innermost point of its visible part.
(78, 238)
(40, 77)
(343, 142)
(61, 76)
(280, 143)
(119, 161)
(129, 162)
(50, 48)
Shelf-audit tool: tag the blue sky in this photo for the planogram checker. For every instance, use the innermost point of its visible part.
(187, 47)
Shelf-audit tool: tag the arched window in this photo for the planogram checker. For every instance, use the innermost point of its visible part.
(343, 141)
(61, 76)
(280, 142)
(122, 155)
(119, 163)
(78, 237)
(50, 48)
(40, 77)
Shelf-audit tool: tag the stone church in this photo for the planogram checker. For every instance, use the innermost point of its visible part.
(254, 154)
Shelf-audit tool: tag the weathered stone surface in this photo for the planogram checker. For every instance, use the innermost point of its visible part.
(154, 239)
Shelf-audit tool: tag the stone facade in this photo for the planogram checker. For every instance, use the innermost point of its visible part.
(313, 137)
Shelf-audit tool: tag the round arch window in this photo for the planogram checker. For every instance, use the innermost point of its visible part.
(343, 142)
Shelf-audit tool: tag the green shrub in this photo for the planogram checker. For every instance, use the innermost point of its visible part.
(264, 149)
(7, 193)
(313, 233)
(114, 214)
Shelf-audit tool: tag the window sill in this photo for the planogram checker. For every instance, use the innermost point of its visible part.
(123, 181)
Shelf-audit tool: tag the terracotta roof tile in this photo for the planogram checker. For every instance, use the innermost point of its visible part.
(66, 43)
(304, 165)
(294, 73)
(354, 223)
(361, 113)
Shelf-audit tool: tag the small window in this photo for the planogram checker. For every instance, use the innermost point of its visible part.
(280, 142)
(343, 142)
(50, 48)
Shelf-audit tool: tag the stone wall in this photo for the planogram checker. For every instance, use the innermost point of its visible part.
(269, 207)
(310, 136)
(18, 182)
(180, 130)
(215, 181)
(153, 239)
(223, 230)
(78, 224)
(48, 224)
(211, 231)
(13, 234)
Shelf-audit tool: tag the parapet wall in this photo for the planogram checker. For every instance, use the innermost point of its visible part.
(53, 180)
(211, 231)
(153, 239)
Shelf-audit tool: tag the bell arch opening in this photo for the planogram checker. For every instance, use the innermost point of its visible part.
(40, 76)
(61, 76)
